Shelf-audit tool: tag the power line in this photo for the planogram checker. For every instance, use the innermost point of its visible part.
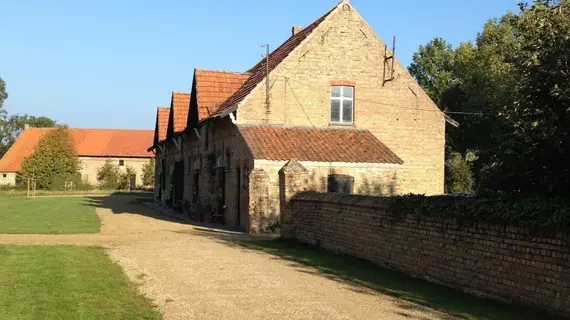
(299, 102)
(400, 106)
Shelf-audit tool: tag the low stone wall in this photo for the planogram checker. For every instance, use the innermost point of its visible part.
(502, 262)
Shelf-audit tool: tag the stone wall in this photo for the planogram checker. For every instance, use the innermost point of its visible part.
(502, 262)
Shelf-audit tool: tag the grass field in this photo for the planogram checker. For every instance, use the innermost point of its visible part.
(397, 284)
(47, 215)
(66, 282)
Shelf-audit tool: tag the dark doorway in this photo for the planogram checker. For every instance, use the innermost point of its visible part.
(221, 212)
(178, 184)
(238, 206)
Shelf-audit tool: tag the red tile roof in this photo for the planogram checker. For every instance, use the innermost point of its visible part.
(180, 105)
(215, 87)
(257, 73)
(162, 114)
(271, 142)
(88, 143)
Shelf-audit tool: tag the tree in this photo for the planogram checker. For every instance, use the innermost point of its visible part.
(11, 128)
(108, 175)
(458, 175)
(512, 86)
(125, 178)
(433, 68)
(3, 93)
(148, 173)
(54, 161)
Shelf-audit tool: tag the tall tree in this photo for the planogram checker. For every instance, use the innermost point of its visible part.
(433, 67)
(148, 173)
(11, 127)
(54, 161)
(3, 93)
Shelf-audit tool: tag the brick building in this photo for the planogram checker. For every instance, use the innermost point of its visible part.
(125, 148)
(334, 100)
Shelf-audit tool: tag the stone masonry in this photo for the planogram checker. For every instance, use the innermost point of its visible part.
(502, 262)
(345, 50)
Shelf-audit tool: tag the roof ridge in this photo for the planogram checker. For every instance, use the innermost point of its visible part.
(180, 92)
(276, 57)
(252, 125)
(222, 71)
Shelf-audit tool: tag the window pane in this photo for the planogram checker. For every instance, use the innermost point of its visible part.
(335, 110)
(335, 92)
(348, 92)
(347, 110)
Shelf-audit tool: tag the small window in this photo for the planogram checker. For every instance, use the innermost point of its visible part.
(342, 104)
(121, 163)
(340, 183)
(4, 175)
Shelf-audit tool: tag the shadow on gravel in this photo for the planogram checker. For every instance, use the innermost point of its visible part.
(410, 294)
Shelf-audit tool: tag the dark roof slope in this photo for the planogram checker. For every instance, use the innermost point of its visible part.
(257, 73)
(316, 144)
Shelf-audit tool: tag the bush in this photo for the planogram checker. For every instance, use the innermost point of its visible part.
(533, 212)
(458, 175)
(148, 174)
(124, 182)
(108, 175)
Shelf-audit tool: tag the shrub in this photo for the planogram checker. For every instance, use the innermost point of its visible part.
(108, 175)
(532, 212)
(148, 173)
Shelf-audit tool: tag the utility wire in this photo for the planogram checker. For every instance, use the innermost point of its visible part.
(398, 106)
(299, 102)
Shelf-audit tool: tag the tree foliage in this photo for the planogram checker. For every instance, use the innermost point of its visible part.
(3, 93)
(108, 175)
(458, 175)
(148, 173)
(54, 161)
(514, 84)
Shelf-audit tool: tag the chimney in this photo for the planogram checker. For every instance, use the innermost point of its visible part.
(26, 126)
(297, 29)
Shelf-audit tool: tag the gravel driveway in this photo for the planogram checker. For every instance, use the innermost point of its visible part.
(197, 273)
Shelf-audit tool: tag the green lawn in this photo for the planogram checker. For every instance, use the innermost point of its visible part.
(66, 282)
(47, 215)
(397, 284)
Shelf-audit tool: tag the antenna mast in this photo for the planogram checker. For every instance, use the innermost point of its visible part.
(389, 60)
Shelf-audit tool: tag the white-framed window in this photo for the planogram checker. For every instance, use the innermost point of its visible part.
(342, 104)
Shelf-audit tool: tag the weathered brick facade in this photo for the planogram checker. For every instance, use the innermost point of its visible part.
(503, 262)
(343, 49)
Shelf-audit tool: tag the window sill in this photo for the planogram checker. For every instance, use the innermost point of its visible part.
(344, 124)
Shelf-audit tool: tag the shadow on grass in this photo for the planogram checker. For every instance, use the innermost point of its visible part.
(420, 292)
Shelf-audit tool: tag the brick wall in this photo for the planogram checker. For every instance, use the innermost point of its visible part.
(503, 262)
(345, 48)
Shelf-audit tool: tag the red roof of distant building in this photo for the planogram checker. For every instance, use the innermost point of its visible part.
(88, 143)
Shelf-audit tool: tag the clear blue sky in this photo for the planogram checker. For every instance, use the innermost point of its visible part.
(110, 63)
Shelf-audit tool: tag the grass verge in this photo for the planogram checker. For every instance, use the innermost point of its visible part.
(47, 216)
(66, 282)
(397, 284)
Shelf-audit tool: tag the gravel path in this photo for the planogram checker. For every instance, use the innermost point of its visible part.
(198, 273)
